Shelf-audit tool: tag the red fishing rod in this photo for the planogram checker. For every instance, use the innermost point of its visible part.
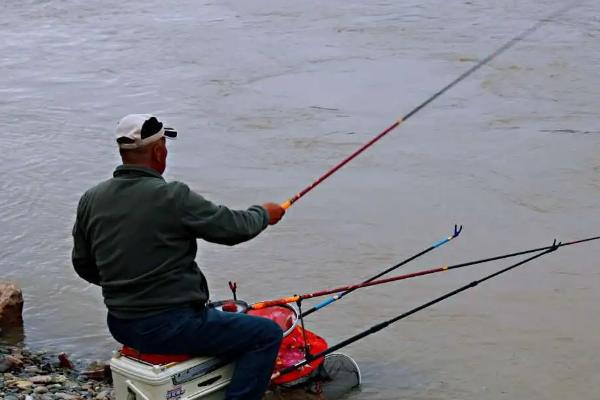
(385, 324)
(444, 268)
(286, 204)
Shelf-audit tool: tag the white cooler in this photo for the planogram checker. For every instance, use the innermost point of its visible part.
(197, 378)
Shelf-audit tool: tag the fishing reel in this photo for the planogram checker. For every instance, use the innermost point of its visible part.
(234, 306)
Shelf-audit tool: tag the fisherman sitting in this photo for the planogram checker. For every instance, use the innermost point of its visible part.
(135, 236)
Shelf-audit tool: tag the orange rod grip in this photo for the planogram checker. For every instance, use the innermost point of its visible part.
(271, 303)
(286, 204)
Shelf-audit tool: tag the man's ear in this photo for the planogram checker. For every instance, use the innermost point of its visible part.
(156, 152)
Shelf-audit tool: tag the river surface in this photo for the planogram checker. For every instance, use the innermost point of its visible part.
(266, 96)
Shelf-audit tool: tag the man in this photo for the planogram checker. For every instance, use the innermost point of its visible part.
(135, 236)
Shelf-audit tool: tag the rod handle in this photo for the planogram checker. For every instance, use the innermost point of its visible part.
(326, 302)
(286, 204)
(271, 303)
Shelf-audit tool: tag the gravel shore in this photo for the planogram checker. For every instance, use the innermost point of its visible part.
(28, 375)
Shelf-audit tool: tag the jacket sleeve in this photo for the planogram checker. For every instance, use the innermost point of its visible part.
(83, 261)
(219, 224)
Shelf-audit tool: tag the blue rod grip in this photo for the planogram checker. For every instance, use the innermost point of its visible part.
(441, 242)
(325, 303)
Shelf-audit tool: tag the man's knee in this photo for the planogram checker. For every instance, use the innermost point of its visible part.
(271, 331)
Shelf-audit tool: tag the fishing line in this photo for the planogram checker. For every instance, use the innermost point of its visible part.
(288, 203)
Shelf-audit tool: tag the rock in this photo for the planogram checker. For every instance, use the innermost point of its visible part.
(54, 387)
(9, 363)
(39, 378)
(47, 367)
(43, 379)
(98, 371)
(95, 374)
(33, 369)
(103, 395)
(23, 384)
(11, 305)
(59, 379)
(66, 396)
(40, 390)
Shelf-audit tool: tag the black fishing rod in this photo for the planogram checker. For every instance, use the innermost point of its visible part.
(384, 324)
(457, 231)
(373, 281)
(443, 268)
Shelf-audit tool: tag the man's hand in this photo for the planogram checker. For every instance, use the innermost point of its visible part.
(275, 212)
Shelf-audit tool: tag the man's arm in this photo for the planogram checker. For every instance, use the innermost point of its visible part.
(83, 261)
(219, 224)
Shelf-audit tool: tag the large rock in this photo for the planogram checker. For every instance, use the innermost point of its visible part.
(9, 363)
(11, 305)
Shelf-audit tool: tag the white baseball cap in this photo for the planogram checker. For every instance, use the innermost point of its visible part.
(138, 130)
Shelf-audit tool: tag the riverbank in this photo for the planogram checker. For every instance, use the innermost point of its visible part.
(30, 375)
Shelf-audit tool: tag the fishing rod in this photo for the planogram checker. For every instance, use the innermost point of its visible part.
(444, 268)
(457, 231)
(384, 324)
(288, 203)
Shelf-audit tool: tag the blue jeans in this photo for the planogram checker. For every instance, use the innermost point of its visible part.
(252, 341)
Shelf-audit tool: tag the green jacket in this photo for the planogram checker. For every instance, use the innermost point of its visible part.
(135, 236)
